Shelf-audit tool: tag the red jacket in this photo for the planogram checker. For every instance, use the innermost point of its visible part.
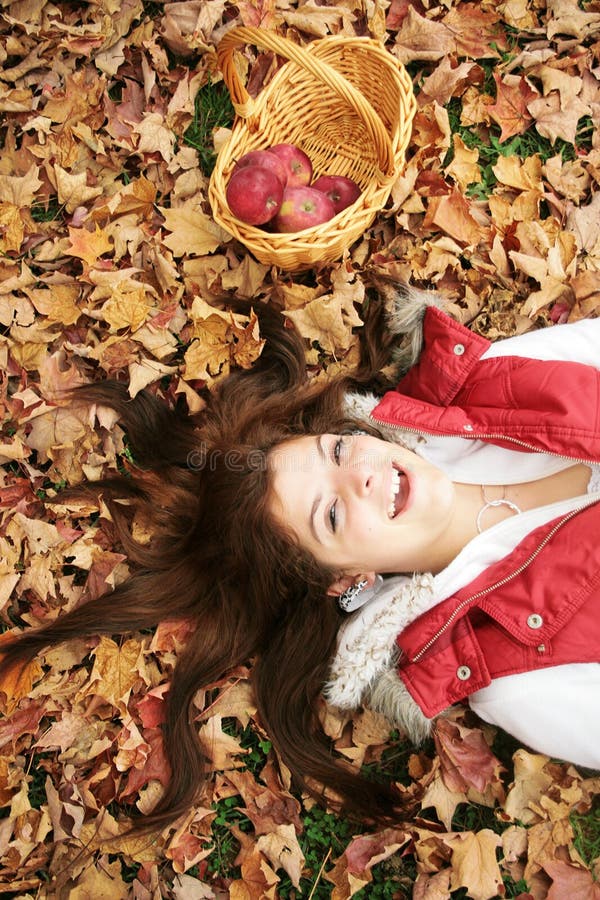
(540, 605)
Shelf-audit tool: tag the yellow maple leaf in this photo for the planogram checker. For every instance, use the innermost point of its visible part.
(116, 670)
(20, 190)
(322, 320)
(12, 229)
(474, 864)
(464, 168)
(88, 245)
(126, 309)
(206, 358)
(192, 231)
(58, 304)
(155, 137)
(73, 189)
(248, 344)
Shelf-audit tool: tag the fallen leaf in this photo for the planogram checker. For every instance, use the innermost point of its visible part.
(88, 245)
(511, 110)
(453, 215)
(474, 864)
(193, 233)
(282, 849)
(73, 190)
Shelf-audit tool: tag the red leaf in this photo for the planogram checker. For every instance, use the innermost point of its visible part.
(466, 760)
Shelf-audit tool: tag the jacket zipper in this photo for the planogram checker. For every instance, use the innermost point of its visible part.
(482, 437)
(503, 581)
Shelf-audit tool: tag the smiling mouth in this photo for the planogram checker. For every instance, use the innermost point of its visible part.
(399, 493)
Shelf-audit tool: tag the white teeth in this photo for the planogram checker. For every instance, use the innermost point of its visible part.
(395, 489)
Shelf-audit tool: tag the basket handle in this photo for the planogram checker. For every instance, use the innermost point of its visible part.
(269, 40)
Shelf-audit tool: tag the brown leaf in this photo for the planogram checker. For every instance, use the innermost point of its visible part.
(266, 807)
(511, 111)
(224, 751)
(17, 683)
(73, 189)
(282, 849)
(102, 881)
(432, 887)
(447, 80)
(463, 168)
(25, 721)
(324, 320)
(421, 38)
(442, 799)
(571, 881)
(531, 780)
(475, 31)
(567, 18)
(553, 120)
(20, 191)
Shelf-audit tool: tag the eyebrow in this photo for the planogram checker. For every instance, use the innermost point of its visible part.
(317, 500)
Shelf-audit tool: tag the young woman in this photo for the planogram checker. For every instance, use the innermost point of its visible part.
(435, 546)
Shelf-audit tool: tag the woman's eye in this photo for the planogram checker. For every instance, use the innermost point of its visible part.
(332, 516)
(337, 450)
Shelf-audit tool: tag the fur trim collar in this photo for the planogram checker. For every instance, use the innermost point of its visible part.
(360, 406)
(367, 640)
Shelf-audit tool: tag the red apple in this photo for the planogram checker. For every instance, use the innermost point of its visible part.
(265, 160)
(303, 207)
(298, 166)
(254, 194)
(341, 191)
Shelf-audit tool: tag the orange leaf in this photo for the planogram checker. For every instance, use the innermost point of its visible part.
(452, 214)
(88, 245)
(17, 682)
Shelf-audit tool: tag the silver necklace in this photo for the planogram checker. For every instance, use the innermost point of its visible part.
(489, 504)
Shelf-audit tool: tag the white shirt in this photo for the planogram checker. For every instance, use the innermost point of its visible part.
(528, 705)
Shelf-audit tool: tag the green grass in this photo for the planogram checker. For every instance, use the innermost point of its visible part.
(490, 148)
(46, 211)
(225, 846)
(586, 828)
(212, 109)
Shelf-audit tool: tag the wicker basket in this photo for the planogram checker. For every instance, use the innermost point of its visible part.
(348, 103)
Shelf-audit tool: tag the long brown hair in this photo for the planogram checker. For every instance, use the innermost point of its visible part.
(217, 559)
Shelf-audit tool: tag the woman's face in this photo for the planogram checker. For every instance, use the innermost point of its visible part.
(360, 504)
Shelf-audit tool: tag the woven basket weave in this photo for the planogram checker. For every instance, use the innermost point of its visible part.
(348, 103)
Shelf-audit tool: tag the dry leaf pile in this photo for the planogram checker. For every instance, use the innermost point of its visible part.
(112, 267)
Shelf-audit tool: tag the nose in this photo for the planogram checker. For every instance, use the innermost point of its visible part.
(356, 479)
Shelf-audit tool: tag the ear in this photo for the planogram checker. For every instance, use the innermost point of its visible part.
(342, 583)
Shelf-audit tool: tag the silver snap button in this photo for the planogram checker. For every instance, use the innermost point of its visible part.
(459, 349)
(535, 621)
(541, 648)
(467, 428)
(463, 673)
